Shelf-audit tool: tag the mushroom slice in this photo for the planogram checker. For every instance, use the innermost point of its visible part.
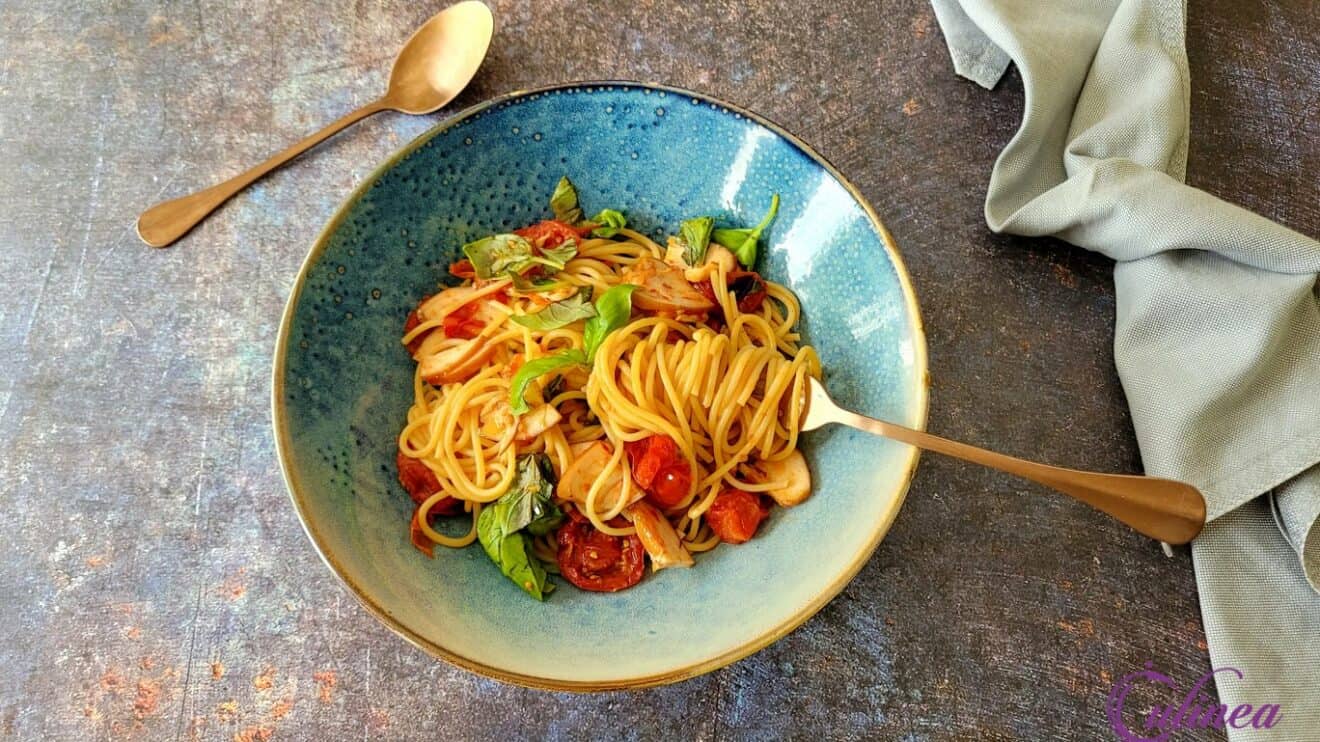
(585, 470)
(791, 477)
(540, 419)
(452, 362)
(658, 537)
(446, 302)
(662, 288)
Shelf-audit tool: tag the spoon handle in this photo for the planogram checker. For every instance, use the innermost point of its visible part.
(162, 224)
(1163, 509)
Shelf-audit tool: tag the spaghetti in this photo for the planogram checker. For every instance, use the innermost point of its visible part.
(589, 398)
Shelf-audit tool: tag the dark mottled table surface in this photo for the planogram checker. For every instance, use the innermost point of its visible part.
(154, 581)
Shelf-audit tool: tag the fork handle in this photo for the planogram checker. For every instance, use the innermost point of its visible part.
(1164, 509)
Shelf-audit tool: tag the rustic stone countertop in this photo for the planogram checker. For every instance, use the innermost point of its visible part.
(154, 580)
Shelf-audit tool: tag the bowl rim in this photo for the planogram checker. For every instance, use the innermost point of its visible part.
(297, 492)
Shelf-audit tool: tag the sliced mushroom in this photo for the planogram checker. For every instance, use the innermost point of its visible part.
(585, 470)
(540, 419)
(791, 477)
(662, 288)
(577, 449)
(658, 537)
(445, 302)
(441, 363)
(721, 256)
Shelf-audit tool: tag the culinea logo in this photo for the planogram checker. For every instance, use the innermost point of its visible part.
(1195, 710)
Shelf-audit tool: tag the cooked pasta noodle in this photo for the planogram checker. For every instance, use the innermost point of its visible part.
(725, 385)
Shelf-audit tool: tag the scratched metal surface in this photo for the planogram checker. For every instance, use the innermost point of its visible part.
(154, 581)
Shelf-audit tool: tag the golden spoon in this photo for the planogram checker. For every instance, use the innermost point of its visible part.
(1170, 511)
(436, 63)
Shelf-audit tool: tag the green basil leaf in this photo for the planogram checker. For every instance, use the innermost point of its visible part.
(695, 234)
(743, 242)
(553, 387)
(525, 285)
(499, 254)
(512, 553)
(510, 254)
(539, 484)
(557, 257)
(518, 564)
(561, 313)
(609, 221)
(564, 202)
(613, 309)
(529, 503)
(536, 368)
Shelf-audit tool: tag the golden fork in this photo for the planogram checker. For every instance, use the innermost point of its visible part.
(1164, 509)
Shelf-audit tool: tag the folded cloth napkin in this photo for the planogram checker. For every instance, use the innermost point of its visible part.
(1217, 334)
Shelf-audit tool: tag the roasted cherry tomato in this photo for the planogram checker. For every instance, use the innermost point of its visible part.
(735, 515)
(420, 482)
(598, 561)
(419, 538)
(461, 323)
(649, 455)
(551, 233)
(670, 486)
(462, 269)
(658, 467)
(747, 287)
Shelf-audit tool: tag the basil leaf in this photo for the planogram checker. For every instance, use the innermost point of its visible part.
(553, 387)
(518, 564)
(526, 285)
(564, 202)
(613, 309)
(695, 234)
(489, 533)
(531, 497)
(610, 222)
(561, 313)
(512, 553)
(528, 504)
(743, 242)
(499, 254)
(558, 257)
(536, 368)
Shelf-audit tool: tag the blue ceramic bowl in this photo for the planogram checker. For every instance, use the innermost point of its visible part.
(342, 381)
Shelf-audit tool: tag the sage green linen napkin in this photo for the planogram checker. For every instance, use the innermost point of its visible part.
(1217, 334)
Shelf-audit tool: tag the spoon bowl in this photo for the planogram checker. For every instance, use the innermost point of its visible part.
(440, 58)
(433, 67)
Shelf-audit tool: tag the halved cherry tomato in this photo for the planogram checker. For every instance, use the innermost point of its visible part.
(748, 289)
(597, 561)
(551, 233)
(670, 486)
(706, 290)
(462, 269)
(658, 467)
(735, 515)
(420, 482)
(649, 455)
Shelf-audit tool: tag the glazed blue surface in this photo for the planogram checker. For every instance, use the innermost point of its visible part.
(660, 157)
